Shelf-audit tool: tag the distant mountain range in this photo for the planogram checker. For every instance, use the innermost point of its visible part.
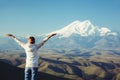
(77, 35)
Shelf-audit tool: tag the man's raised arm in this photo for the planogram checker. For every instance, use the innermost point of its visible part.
(17, 40)
(45, 40)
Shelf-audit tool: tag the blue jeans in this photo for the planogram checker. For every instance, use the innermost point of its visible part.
(31, 73)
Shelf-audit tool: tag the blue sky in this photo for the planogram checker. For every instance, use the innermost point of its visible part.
(22, 17)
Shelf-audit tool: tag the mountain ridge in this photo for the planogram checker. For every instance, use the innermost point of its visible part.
(85, 28)
(77, 35)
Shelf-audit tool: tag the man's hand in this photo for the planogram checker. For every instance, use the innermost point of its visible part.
(10, 35)
(52, 35)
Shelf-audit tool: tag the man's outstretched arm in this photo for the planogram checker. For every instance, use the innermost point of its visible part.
(17, 40)
(45, 40)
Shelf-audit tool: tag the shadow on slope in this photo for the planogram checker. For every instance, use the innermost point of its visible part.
(9, 72)
(74, 68)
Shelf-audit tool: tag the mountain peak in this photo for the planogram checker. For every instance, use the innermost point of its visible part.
(87, 21)
(77, 21)
(85, 28)
(82, 28)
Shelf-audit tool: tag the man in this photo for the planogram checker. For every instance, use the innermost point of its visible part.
(31, 68)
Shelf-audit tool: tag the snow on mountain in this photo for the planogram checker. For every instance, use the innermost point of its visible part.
(105, 31)
(77, 35)
(85, 28)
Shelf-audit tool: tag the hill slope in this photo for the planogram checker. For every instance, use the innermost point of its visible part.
(9, 72)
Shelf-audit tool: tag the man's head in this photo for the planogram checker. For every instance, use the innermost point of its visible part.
(31, 40)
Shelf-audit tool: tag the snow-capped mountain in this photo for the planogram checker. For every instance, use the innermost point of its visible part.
(85, 28)
(85, 35)
(77, 35)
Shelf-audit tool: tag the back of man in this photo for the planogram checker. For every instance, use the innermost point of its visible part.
(31, 55)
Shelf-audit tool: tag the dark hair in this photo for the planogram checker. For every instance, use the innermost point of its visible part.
(32, 39)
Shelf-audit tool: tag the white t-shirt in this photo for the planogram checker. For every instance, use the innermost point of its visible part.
(31, 52)
(31, 55)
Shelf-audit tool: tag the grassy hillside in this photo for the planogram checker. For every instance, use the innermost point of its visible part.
(74, 64)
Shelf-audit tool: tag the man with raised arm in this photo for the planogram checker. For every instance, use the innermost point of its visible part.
(31, 68)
